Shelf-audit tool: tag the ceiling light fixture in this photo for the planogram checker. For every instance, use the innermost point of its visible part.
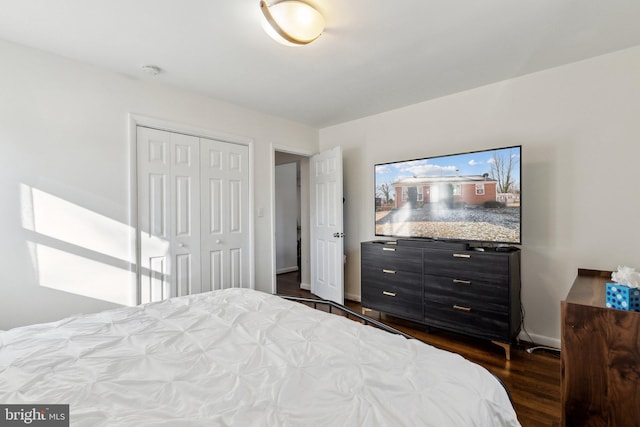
(292, 22)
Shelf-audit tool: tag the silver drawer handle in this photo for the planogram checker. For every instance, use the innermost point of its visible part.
(389, 271)
(389, 294)
(389, 249)
(462, 255)
(463, 282)
(461, 308)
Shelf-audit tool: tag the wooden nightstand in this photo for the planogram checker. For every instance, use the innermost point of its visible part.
(600, 357)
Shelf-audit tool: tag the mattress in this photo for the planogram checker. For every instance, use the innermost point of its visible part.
(239, 357)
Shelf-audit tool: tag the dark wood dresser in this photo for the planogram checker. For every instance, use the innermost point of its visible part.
(445, 285)
(600, 357)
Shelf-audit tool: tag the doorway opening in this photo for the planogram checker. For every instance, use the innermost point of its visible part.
(291, 223)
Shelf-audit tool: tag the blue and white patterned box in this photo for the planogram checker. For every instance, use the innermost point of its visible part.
(622, 297)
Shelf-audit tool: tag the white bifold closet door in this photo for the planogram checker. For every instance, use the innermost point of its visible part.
(192, 214)
(225, 214)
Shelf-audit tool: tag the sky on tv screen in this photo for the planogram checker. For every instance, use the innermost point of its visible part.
(476, 163)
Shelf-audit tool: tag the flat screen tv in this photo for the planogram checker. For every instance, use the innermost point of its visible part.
(471, 197)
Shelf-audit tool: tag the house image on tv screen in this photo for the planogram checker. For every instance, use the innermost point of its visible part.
(454, 191)
(471, 196)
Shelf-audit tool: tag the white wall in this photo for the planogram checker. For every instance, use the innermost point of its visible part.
(579, 126)
(65, 159)
(287, 217)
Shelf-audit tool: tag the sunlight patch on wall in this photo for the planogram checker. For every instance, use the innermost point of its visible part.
(78, 275)
(57, 218)
(77, 250)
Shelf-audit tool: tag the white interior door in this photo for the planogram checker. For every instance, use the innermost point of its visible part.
(225, 220)
(327, 250)
(168, 214)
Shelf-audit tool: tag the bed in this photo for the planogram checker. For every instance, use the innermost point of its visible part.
(239, 357)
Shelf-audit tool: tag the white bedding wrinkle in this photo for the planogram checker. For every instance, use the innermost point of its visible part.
(239, 357)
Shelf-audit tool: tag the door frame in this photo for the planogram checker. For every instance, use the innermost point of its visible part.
(272, 189)
(135, 120)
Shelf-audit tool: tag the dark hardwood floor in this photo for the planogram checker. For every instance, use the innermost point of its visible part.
(533, 379)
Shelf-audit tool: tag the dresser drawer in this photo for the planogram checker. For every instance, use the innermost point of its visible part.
(391, 257)
(399, 294)
(468, 319)
(489, 295)
(467, 265)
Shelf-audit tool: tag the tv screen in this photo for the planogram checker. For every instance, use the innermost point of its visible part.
(471, 197)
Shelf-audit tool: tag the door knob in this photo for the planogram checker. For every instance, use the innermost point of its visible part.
(181, 245)
(218, 241)
(338, 234)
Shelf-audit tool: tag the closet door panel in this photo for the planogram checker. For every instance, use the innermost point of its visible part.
(225, 170)
(154, 225)
(168, 170)
(185, 215)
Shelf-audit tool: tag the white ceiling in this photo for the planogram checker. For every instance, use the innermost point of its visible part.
(374, 56)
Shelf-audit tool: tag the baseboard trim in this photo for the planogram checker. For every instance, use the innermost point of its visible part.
(287, 270)
(352, 297)
(305, 286)
(540, 339)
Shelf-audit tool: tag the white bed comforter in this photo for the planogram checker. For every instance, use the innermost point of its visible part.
(243, 358)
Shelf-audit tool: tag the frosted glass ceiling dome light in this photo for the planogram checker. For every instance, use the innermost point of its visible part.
(292, 22)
